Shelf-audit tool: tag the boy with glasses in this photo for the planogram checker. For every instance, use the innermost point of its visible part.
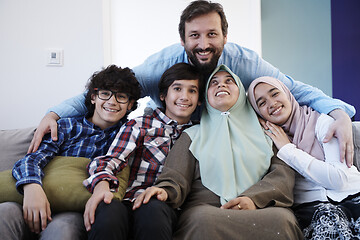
(143, 143)
(111, 94)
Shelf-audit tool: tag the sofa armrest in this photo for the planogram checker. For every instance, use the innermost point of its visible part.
(14, 144)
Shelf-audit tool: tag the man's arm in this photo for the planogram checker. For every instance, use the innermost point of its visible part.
(248, 65)
(251, 66)
(72, 107)
(342, 129)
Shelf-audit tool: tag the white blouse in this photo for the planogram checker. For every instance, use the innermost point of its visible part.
(319, 180)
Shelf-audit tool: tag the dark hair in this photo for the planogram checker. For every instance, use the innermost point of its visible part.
(116, 79)
(198, 8)
(179, 71)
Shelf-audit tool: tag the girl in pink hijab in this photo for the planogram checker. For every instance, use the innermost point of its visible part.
(326, 192)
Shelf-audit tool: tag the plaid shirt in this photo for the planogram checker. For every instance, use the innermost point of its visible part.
(144, 143)
(77, 137)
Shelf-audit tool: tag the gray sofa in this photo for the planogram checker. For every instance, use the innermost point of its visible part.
(14, 145)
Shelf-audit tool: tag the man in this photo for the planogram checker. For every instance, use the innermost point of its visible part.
(203, 32)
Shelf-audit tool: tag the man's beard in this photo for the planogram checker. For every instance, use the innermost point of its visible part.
(205, 68)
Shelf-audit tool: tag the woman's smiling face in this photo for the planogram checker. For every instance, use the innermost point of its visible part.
(273, 104)
(222, 92)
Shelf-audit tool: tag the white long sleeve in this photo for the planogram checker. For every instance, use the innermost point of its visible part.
(321, 179)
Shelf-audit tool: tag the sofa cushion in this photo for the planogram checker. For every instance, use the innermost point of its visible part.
(62, 184)
(14, 145)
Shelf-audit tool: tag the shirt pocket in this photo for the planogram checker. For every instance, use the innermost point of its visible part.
(156, 148)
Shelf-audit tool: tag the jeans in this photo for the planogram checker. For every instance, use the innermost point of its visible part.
(67, 225)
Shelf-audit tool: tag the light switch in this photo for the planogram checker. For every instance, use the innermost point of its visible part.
(55, 57)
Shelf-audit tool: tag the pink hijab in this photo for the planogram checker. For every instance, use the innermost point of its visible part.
(300, 127)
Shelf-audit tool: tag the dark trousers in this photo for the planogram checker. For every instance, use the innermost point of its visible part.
(330, 220)
(117, 220)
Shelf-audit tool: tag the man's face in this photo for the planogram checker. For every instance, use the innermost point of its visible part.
(204, 41)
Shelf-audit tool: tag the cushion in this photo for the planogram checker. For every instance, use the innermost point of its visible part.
(14, 144)
(62, 184)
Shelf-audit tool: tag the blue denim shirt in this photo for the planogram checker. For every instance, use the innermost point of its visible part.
(244, 62)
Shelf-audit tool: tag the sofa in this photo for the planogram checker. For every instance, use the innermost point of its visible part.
(63, 175)
(14, 144)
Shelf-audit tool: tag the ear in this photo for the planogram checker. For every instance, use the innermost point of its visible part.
(130, 105)
(93, 96)
(225, 39)
(182, 42)
(199, 103)
(162, 97)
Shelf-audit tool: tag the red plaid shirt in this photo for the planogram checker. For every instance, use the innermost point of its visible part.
(144, 143)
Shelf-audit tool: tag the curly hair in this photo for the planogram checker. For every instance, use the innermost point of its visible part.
(198, 8)
(116, 79)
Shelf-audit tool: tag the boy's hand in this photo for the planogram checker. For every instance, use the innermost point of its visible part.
(342, 129)
(240, 203)
(47, 124)
(277, 134)
(145, 196)
(36, 207)
(101, 193)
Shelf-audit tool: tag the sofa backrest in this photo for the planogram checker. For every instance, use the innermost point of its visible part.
(14, 145)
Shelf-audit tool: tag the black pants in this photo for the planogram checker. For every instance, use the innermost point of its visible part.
(330, 220)
(117, 220)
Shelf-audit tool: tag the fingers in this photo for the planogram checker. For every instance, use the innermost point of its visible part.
(231, 204)
(138, 201)
(47, 124)
(32, 220)
(239, 203)
(43, 220)
(263, 123)
(53, 130)
(108, 196)
(89, 216)
(145, 197)
(349, 154)
(89, 213)
(35, 142)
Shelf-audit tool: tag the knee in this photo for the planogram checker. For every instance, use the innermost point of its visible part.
(10, 211)
(110, 216)
(68, 225)
(284, 217)
(155, 213)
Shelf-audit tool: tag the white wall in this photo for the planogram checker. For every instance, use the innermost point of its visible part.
(123, 32)
(27, 30)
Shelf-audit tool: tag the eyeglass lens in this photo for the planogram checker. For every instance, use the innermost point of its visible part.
(107, 94)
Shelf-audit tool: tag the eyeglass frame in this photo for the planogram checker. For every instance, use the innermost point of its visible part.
(112, 94)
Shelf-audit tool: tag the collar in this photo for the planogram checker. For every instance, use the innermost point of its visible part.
(160, 115)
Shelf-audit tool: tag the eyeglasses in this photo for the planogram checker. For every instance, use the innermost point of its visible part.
(107, 94)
